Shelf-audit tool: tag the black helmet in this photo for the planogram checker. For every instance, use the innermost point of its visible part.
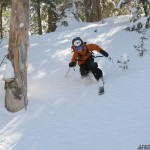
(78, 43)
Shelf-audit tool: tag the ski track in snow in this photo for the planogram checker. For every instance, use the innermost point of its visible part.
(67, 113)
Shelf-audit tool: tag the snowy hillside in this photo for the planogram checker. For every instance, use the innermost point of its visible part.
(68, 114)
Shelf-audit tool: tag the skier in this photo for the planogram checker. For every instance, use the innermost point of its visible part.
(82, 53)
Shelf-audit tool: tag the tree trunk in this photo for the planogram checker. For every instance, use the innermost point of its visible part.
(39, 18)
(16, 90)
(99, 10)
(96, 10)
(88, 10)
(144, 3)
(51, 20)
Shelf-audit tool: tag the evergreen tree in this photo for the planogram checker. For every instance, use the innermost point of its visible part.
(35, 17)
(52, 15)
(3, 5)
(137, 7)
(68, 14)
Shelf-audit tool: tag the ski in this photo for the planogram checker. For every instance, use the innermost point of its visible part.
(101, 86)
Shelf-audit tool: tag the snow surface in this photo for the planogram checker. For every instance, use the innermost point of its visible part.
(8, 71)
(67, 113)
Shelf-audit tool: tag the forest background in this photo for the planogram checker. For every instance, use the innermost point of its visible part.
(48, 15)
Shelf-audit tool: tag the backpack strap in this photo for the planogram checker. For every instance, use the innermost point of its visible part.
(72, 49)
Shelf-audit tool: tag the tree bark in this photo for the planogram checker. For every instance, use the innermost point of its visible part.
(51, 20)
(99, 16)
(88, 10)
(145, 7)
(96, 10)
(39, 18)
(93, 10)
(16, 90)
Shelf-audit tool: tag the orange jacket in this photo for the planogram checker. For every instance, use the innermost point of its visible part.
(82, 56)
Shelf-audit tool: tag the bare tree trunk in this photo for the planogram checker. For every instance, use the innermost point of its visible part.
(39, 18)
(145, 7)
(16, 90)
(51, 20)
(99, 10)
(93, 11)
(88, 10)
(96, 10)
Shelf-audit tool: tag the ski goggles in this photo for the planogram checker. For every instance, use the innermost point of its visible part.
(78, 48)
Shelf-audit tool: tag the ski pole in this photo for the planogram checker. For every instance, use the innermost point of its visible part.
(3, 60)
(109, 58)
(67, 73)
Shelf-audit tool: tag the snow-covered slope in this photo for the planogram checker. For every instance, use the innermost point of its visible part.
(68, 114)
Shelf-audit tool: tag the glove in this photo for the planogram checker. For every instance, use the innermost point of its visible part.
(72, 64)
(104, 53)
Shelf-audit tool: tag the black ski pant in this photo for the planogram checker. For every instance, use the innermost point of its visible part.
(91, 66)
